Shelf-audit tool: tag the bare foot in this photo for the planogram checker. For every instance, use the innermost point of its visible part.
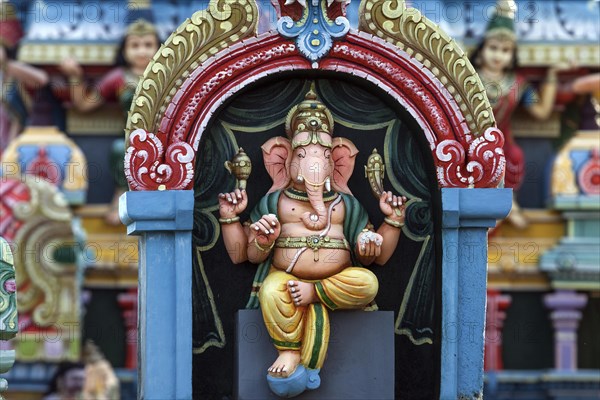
(303, 293)
(286, 364)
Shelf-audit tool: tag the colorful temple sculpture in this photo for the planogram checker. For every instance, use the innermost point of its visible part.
(314, 204)
(543, 296)
(396, 83)
(47, 153)
(38, 223)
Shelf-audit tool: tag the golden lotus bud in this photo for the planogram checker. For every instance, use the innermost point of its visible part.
(240, 166)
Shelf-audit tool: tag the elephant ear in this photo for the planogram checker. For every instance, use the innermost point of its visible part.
(277, 155)
(344, 156)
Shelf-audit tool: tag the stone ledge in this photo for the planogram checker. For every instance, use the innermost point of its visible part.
(359, 364)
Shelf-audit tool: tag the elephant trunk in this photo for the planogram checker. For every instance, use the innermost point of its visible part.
(319, 219)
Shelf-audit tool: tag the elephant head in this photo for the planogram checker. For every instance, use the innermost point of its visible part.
(310, 158)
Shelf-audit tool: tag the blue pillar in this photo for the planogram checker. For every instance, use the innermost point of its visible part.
(163, 220)
(467, 216)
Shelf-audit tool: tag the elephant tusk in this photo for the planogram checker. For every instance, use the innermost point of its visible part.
(328, 184)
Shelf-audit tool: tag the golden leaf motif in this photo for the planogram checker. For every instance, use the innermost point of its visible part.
(48, 290)
(206, 33)
(413, 33)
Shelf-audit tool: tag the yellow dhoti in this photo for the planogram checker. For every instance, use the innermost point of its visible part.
(306, 329)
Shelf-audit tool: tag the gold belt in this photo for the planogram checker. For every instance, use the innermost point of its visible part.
(312, 242)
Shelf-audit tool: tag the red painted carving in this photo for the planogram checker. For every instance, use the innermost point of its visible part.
(296, 8)
(482, 163)
(148, 166)
(44, 167)
(403, 81)
(293, 10)
(461, 159)
(337, 9)
(589, 175)
(205, 91)
(14, 194)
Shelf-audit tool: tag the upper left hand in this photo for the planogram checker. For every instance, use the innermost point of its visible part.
(393, 206)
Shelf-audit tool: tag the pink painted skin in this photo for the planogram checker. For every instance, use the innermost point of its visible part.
(10, 286)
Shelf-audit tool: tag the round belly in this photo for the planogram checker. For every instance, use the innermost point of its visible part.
(330, 262)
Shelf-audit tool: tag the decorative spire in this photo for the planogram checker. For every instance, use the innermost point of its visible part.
(502, 23)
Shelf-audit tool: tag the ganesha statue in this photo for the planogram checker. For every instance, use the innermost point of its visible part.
(312, 239)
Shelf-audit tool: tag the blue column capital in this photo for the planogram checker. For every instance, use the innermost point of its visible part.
(168, 210)
(474, 208)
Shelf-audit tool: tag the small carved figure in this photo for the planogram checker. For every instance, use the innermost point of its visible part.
(590, 84)
(67, 382)
(496, 62)
(137, 48)
(101, 383)
(14, 77)
(311, 238)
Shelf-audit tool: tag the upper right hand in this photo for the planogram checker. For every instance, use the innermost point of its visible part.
(232, 204)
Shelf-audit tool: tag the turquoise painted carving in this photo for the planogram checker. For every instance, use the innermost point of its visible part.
(314, 32)
(8, 308)
(8, 293)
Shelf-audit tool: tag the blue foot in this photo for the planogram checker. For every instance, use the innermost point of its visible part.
(301, 380)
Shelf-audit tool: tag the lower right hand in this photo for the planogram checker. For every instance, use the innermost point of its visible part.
(265, 231)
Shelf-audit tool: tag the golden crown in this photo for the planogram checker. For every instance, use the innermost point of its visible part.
(141, 27)
(502, 23)
(312, 116)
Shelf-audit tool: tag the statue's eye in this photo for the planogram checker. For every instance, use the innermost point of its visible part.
(327, 153)
(301, 153)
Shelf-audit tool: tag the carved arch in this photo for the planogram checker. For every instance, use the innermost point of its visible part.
(408, 30)
(396, 49)
(199, 38)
